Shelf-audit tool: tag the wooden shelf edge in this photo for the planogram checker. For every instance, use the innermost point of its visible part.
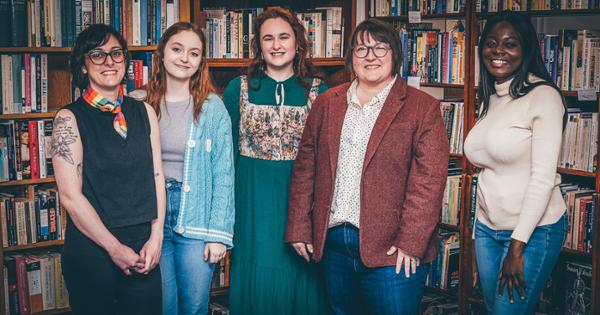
(574, 252)
(549, 13)
(54, 311)
(34, 245)
(450, 227)
(568, 171)
(475, 300)
(28, 116)
(446, 292)
(219, 291)
(404, 18)
(243, 62)
(27, 182)
(457, 155)
(62, 50)
(443, 85)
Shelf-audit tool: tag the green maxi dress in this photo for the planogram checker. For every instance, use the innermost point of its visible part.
(267, 276)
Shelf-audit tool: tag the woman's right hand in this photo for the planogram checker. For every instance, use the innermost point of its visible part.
(126, 259)
(303, 250)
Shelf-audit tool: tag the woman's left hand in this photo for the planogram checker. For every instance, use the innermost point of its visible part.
(214, 252)
(511, 274)
(410, 263)
(151, 254)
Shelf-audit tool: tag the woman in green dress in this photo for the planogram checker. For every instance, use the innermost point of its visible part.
(268, 109)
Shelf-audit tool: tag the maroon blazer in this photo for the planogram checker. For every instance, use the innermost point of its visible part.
(403, 176)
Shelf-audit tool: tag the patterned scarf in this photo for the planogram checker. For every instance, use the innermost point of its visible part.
(96, 100)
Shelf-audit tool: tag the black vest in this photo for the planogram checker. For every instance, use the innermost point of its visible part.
(118, 174)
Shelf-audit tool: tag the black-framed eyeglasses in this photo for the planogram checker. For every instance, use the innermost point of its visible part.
(379, 50)
(98, 57)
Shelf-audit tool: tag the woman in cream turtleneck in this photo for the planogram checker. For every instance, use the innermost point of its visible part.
(521, 223)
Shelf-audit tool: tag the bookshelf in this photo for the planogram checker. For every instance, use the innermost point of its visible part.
(59, 92)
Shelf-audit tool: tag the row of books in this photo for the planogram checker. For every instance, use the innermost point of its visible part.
(424, 7)
(573, 58)
(432, 55)
(34, 283)
(230, 33)
(28, 220)
(26, 149)
(56, 23)
(581, 208)
(451, 202)
(580, 141)
(453, 115)
(444, 269)
(486, 6)
(24, 83)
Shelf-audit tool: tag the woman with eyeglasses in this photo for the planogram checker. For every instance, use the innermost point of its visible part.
(107, 163)
(368, 182)
(268, 108)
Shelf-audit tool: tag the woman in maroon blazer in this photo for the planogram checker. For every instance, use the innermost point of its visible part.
(368, 182)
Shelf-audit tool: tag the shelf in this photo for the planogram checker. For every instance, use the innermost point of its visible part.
(443, 85)
(243, 62)
(27, 182)
(28, 116)
(548, 13)
(477, 300)
(219, 291)
(34, 245)
(568, 171)
(573, 252)
(61, 50)
(55, 311)
(574, 93)
(450, 227)
(404, 18)
(44, 50)
(441, 291)
(457, 155)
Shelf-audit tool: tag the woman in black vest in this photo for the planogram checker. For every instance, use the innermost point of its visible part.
(107, 162)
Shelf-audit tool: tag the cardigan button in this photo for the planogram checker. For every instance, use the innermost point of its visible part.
(191, 143)
(186, 188)
(180, 229)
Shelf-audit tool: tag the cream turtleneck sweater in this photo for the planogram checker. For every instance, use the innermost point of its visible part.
(517, 145)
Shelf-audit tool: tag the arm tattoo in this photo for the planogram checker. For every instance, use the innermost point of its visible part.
(80, 169)
(62, 137)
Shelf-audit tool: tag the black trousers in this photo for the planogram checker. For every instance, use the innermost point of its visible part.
(97, 286)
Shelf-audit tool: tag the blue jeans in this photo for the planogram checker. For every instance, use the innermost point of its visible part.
(186, 277)
(353, 288)
(540, 255)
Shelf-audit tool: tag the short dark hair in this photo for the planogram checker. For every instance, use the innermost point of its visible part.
(532, 61)
(381, 32)
(93, 37)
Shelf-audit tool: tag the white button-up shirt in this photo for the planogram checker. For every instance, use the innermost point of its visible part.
(356, 131)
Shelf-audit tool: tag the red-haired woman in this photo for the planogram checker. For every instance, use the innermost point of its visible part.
(268, 108)
(197, 155)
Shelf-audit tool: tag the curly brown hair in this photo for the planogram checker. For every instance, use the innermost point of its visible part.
(303, 67)
(201, 84)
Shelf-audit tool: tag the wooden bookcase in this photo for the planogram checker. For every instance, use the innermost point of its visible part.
(222, 70)
(468, 302)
